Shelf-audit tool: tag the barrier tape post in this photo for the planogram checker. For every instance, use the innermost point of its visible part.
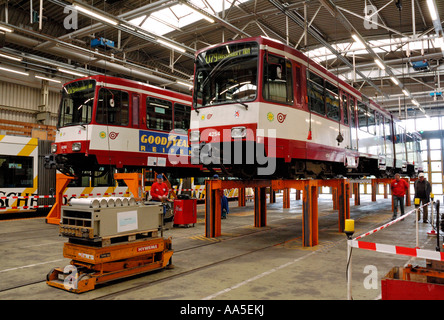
(384, 248)
(417, 228)
(349, 269)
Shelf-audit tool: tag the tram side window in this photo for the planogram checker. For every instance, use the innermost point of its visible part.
(315, 93)
(181, 116)
(113, 107)
(345, 108)
(332, 101)
(159, 114)
(278, 84)
(16, 171)
(352, 112)
(371, 121)
(362, 116)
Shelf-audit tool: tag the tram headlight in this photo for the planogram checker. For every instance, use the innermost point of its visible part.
(238, 132)
(194, 136)
(53, 148)
(76, 146)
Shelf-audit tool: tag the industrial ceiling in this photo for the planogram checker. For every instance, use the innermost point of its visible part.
(391, 50)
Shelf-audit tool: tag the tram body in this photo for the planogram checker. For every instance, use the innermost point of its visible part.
(260, 97)
(106, 122)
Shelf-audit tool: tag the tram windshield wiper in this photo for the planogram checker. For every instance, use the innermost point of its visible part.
(242, 103)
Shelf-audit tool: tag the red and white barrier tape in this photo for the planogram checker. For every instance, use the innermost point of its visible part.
(27, 207)
(399, 250)
(389, 223)
(86, 194)
(386, 248)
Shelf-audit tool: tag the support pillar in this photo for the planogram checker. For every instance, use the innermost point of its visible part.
(408, 200)
(310, 232)
(212, 211)
(334, 195)
(260, 207)
(357, 192)
(241, 197)
(374, 187)
(298, 194)
(286, 200)
(344, 203)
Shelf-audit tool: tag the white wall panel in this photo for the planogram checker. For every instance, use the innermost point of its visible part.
(20, 102)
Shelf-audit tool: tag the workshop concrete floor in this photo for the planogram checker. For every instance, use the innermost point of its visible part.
(251, 263)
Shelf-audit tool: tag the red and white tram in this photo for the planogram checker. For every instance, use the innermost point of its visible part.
(257, 101)
(106, 122)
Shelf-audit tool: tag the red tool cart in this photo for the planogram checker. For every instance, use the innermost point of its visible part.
(185, 212)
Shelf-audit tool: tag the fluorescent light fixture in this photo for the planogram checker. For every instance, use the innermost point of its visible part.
(7, 56)
(48, 79)
(380, 64)
(128, 27)
(204, 16)
(3, 28)
(75, 73)
(357, 39)
(394, 80)
(172, 46)
(184, 83)
(14, 71)
(95, 14)
(416, 103)
(200, 14)
(406, 93)
(432, 9)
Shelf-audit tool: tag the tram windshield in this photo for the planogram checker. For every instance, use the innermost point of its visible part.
(77, 103)
(226, 74)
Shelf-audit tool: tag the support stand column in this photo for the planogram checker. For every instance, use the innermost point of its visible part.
(212, 210)
(54, 215)
(310, 236)
(260, 207)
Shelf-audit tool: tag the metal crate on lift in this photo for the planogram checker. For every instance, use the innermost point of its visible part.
(94, 222)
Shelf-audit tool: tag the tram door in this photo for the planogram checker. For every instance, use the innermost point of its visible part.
(348, 107)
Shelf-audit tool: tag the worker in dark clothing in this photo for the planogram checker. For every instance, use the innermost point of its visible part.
(224, 204)
(422, 192)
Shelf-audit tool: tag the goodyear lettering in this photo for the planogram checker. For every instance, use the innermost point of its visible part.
(165, 143)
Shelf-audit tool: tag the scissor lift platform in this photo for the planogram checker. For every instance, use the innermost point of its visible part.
(95, 265)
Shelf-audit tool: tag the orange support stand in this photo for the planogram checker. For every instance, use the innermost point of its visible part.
(310, 230)
(387, 182)
(241, 197)
(260, 207)
(213, 203)
(357, 192)
(408, 200)
(62, 182)
(212, 210)
(133, 181)
(310, 223)
(286, 198)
